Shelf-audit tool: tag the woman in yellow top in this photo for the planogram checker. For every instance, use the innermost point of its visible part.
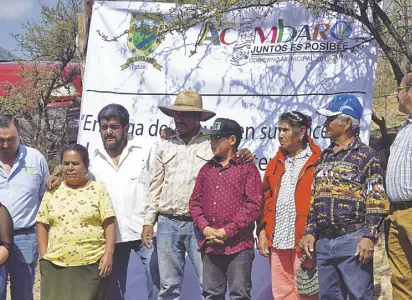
(76, 234)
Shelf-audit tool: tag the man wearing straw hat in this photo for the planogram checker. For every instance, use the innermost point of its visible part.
(177, 163)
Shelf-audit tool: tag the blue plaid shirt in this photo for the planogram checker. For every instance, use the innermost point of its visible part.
(348, 189)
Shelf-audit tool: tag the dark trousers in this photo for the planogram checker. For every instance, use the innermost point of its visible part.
(221, 270)
(121, 258)
(71, 283)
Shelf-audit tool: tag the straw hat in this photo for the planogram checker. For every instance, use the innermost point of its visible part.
(188, 101)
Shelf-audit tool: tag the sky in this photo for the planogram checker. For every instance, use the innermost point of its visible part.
(15, 12)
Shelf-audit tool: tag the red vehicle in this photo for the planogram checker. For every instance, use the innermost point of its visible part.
(61, 97)
(9, 75)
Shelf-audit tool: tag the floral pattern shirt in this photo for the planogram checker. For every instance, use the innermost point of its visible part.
(75, 216)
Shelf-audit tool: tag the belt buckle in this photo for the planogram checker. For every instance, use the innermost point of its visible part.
(338, 231)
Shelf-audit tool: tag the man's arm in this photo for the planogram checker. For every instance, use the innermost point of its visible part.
(311, 225)
(44, 170)
(309, 239)
(151, 206)
(249, 210)
(145, 177)
(155, 190)
(376, 202)
(55, 178)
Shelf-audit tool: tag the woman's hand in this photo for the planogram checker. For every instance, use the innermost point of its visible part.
(263, 244)
(106, 264)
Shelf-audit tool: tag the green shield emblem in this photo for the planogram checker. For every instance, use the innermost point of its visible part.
(143, 37)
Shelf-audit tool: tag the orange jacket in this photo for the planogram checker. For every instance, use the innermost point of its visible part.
(271, 186)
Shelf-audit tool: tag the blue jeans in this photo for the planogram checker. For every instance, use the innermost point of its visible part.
(22, 265)
(341, 275)
(3, 280)
(118, 277)
(174, 239)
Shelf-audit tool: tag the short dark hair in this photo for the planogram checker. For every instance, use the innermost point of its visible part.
(82, 150)
(114, 111)
(6, 120)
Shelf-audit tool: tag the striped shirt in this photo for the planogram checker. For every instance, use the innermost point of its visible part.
(175, 171)
(399, 172)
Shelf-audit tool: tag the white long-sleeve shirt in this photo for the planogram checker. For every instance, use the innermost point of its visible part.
(127, 185)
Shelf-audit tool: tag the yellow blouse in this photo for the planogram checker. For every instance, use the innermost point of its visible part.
(75, 216)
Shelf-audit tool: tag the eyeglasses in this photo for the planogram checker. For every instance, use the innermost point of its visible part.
(399, 88)
(215, 138)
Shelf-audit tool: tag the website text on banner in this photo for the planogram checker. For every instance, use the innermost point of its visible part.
(251, 72)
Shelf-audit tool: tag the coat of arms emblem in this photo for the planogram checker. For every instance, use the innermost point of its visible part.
(143, 38)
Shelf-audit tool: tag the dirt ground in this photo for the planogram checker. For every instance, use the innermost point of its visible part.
(382, 273)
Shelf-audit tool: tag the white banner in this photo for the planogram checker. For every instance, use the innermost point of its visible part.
(289, 60)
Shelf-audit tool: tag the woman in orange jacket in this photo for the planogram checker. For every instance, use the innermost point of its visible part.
(287, 187)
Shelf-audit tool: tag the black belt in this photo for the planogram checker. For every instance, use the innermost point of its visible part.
(179, 218)
(400, 205)
(341, 230)
(26, 230)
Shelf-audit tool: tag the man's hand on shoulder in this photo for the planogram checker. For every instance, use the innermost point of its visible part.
(166, 133)
(56, 178)
(245, 156)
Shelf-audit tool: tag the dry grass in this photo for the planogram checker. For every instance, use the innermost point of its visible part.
(382, 273)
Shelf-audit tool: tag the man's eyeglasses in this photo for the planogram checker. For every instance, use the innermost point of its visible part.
(218, 137)
(400, 88)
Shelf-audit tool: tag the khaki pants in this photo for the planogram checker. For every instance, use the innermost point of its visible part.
(71, 283)
(398, 231)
